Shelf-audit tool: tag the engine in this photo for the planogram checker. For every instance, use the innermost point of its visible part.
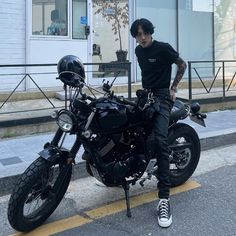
(120, 156)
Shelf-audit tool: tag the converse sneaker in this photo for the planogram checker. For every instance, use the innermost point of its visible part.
(164, 214)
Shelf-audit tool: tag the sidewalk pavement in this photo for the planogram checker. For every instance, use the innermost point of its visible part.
(19, 152)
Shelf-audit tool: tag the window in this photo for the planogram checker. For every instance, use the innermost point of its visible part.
(163, 16)
(195, 31)
(79, 21)
(49, 17)
(203, 5)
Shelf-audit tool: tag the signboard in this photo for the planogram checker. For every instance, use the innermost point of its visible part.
(83, 20)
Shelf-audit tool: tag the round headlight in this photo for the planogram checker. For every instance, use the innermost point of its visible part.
(65, 120)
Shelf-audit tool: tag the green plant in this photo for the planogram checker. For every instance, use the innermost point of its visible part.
(115, 12)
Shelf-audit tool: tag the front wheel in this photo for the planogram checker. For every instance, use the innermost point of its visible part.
(185, 149)
(37, 194)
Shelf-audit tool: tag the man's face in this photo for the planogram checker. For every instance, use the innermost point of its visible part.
(144, 39)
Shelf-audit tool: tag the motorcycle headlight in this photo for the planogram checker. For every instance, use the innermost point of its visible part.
(66, 120)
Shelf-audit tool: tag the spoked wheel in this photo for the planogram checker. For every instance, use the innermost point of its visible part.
(185, 151)
(37, 194)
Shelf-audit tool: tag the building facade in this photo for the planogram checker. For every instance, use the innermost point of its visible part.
(42, 31)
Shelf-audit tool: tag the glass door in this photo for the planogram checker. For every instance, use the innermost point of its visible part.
(110, 40)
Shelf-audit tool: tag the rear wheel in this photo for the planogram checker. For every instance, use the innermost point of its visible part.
(37, 194)
(185, 151)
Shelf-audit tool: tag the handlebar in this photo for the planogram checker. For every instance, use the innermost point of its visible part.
(125, 101)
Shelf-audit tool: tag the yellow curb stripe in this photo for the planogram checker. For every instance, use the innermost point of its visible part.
(120, 205)
(57, 226)
(109, 209)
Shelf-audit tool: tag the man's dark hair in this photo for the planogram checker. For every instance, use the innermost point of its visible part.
(145, 24)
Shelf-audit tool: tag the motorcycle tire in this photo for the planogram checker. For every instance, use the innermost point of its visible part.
(183, 134)
(38, 183)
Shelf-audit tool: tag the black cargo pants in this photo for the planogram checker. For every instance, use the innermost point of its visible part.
(160, 142)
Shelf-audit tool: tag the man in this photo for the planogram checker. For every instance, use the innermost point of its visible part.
(155, 60)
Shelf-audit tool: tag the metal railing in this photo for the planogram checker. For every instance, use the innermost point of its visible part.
(31, 71)
(215, 77)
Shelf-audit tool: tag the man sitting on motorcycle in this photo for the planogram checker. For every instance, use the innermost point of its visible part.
(155, 60)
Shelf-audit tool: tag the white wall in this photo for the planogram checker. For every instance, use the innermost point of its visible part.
(12, 36)
(12, 41)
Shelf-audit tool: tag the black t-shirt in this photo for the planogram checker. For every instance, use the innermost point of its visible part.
(155, 63)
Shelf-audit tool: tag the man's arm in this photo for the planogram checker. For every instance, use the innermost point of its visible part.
(181, 67)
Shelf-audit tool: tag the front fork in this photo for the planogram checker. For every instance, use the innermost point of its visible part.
(52, 152)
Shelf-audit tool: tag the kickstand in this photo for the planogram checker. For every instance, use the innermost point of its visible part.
(126, 189)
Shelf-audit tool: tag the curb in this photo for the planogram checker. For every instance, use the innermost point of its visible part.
(218, 141)
(79, 170)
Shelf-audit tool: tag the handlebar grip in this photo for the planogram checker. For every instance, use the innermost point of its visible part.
(204, 116)
(90, 98)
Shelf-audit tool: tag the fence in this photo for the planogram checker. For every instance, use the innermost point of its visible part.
(31, 77)
(217, 79)
(206, 80)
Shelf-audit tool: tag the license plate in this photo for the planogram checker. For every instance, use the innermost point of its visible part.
(198, 120)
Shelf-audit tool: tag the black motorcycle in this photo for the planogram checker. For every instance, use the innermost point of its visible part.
(115, 135)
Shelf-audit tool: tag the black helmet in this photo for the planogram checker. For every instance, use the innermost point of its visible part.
(71, 70)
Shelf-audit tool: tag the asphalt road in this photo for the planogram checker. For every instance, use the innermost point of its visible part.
(207, 207)
(208, 210)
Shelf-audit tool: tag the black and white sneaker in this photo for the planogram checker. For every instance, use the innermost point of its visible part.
(164, 214)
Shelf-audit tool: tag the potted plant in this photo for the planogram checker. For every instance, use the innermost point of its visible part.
(117, 13)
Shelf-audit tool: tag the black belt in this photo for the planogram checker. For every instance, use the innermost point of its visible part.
(162, 91)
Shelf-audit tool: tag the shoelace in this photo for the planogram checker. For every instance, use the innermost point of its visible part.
(164, 208)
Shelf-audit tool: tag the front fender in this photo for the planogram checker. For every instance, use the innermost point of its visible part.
(53, 154)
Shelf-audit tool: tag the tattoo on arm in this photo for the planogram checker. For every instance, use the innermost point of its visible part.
(180, 71)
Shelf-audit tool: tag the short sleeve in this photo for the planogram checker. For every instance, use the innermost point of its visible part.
(170, 54)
